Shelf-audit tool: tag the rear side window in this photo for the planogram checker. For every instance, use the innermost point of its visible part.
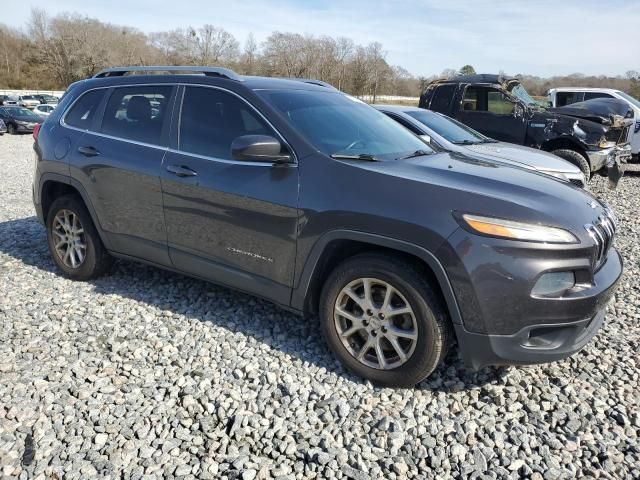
(592, 95)
(567, 98)
(83, 111)
(137, 113)
(212, 119)
(441, 101)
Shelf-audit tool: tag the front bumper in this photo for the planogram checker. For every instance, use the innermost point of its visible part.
(502, 322)
(25, 128)
(531, 345)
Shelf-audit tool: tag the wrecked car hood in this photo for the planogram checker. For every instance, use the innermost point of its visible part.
(611, 112)
(523, 156)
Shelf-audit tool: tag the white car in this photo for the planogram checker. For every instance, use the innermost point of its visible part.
(44, 110)
(559, 97)
(28, 101)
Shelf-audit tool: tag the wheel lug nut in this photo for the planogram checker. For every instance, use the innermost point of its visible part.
(381, 316)
(384, 329)
(365, 323)
(369, 312)
(374, 333)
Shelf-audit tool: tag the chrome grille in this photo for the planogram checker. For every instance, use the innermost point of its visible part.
(602, 232)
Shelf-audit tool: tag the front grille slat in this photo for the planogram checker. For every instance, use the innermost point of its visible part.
(602, 232)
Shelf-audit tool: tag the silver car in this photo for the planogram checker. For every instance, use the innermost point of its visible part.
(448, 134)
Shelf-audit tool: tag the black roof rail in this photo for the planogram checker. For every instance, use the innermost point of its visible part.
(207, 71)
(313, 81)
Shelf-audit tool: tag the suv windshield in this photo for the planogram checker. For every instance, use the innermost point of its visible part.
(343, 126)
(628, 97)
(450, 129)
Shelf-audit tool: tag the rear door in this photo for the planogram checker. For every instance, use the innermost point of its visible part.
(233, 222)
(493, 113)
(118, 162)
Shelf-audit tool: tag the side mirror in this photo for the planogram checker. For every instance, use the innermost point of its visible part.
(426, 138)
(258, 148)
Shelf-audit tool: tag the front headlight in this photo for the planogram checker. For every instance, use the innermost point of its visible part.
(502, 228)
(604, 143)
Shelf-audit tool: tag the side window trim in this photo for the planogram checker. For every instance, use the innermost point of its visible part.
(404, 123)
(176, 148)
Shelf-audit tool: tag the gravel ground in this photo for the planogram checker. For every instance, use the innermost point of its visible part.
(148, 374)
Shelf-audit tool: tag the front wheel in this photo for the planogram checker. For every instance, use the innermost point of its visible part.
(383, 320)
(576, 158)
(11, 129)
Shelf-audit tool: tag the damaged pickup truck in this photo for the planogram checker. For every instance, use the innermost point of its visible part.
(590, 136)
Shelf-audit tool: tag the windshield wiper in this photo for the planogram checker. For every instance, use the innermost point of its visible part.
(489, 140)
(467, 142)
(361, 156)
(417, 153)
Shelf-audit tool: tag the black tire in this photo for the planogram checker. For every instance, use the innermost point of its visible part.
(11, 129)
(576, 158)
(431, 317)
(96, 259)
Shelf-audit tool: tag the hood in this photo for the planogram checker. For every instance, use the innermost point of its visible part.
(25, 118)
(611, 112)
(458, 182)
(523, 156)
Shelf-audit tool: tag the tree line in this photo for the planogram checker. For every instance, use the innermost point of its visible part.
(49, 53)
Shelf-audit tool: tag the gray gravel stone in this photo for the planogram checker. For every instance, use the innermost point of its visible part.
(149, 374)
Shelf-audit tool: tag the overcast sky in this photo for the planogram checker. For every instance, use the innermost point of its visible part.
(540, 37)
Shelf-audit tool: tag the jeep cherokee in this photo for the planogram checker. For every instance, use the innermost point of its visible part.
(293, 191)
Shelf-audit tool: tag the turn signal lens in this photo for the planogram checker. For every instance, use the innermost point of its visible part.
(497, 227)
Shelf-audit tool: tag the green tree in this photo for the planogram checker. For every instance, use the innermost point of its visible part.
(467, 70)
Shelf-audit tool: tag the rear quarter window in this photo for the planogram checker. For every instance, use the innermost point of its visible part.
(83, 111)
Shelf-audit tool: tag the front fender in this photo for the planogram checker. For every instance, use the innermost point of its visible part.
(302, 290)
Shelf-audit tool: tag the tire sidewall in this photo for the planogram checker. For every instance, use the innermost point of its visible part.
(427, 352)
(88, 267)
(575, 158)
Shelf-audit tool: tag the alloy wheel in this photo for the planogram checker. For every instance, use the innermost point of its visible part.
(69, 238)
(375, 323)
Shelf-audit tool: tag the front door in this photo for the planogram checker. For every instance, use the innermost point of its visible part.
(493, 113)
(233, 222)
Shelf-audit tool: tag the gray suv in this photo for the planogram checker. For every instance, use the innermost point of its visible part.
(295, 192)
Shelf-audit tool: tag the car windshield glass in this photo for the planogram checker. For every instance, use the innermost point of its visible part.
(343, 126)
(22, 112)
(450, 129)
(628, 97)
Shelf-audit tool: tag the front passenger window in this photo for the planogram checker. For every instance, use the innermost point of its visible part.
(212, 119)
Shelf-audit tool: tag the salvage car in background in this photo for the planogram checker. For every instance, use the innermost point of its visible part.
(44, 110)
(501, 108)
(448, 134)
(19, 119)
(559, 97)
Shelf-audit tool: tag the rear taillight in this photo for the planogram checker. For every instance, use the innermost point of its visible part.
(36, 130)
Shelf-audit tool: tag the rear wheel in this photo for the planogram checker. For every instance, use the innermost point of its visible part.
(11, 129)
(383, 320)
(576, 158)
(73, 240)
